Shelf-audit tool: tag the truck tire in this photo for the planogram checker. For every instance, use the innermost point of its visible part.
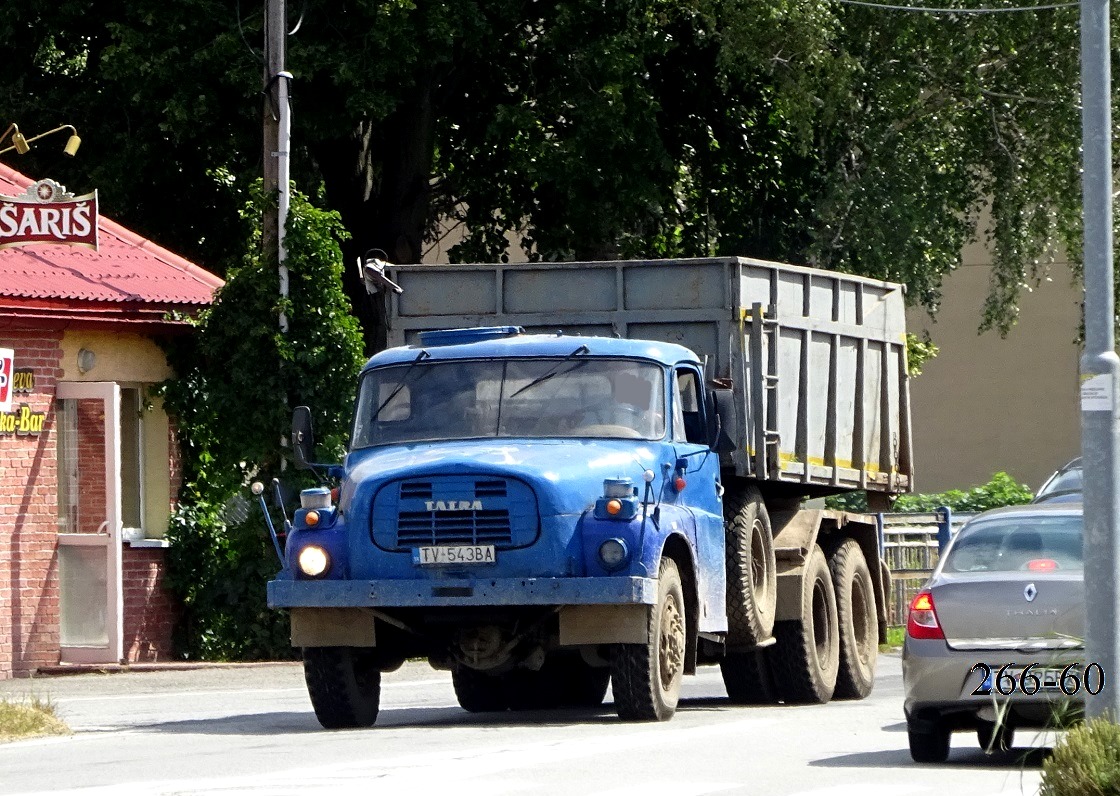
(478, 692)
(576, 683)
(747, 678)
(344, 684)
(752, 584)
(858, 621)
(647, 677)
(585, 687)
(806, 657)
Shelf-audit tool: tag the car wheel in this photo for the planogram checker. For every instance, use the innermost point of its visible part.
(995, 736)
(930, 743)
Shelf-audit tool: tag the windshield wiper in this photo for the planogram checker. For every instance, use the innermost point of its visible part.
(556, 370)
(404, 381)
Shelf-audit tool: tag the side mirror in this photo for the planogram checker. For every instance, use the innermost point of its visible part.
(720, 420)
(303, 438)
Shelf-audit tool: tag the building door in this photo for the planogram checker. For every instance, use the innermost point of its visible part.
(89, 520)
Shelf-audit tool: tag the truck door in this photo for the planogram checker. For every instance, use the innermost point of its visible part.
(701, 494)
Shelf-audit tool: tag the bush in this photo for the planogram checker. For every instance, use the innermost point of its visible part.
(238, 378)
(1086, 762)
(1002, 490)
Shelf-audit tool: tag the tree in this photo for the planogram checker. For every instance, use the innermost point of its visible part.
(237, 379)
(859, 139)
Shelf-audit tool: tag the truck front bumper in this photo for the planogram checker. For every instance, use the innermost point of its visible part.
(482, 591)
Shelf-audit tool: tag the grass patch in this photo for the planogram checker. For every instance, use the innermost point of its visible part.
(29, 719)
(895, 635)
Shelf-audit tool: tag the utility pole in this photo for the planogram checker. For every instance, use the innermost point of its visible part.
(277, 140)
(1100, 368)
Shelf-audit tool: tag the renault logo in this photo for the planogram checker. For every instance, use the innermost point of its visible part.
(1030, 592)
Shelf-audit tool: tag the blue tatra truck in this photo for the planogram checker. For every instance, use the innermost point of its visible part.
(568, 475)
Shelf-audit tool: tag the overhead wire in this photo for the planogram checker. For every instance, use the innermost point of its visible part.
(941, 9)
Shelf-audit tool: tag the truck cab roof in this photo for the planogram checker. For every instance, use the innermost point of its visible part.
(506, 342)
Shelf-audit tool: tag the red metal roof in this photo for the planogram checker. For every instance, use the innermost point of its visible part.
(128, 277)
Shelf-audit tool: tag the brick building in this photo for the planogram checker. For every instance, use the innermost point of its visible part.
(88, 459)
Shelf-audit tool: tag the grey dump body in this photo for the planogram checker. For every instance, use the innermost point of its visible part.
(815, 360)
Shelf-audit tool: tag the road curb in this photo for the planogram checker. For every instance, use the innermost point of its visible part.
(67, 669)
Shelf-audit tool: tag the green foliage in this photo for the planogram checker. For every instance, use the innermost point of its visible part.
(1085, 762)
(1002, 490)
(846, 137)
(238, 378)
(919, 350)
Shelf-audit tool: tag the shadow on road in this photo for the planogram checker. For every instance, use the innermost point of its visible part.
(265, 724)
(1015, 759)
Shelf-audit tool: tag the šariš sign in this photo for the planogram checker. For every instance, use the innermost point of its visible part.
(47, 213)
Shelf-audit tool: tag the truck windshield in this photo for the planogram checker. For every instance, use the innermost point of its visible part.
(576, 397)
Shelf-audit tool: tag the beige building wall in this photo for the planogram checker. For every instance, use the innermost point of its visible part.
(132, 360)
(987, 403)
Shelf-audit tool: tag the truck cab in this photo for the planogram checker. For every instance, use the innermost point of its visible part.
(507, 506)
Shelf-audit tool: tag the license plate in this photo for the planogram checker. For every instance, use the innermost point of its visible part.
(1049, 679)
(455, 554)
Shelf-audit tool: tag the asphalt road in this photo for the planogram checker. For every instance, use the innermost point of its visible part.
(250, 730)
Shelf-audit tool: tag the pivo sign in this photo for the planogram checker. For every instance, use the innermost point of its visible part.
(47, 213)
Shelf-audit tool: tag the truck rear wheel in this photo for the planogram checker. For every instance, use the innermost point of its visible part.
(858, 621)
(647, 677)
(478, 692)
(806, 657)
(577, 683)
(752, 584)
(747, 678)
(344, 684)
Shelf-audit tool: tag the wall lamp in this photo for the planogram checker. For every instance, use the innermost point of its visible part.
(22, 145)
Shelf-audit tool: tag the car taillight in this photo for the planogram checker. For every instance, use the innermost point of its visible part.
(922, 621)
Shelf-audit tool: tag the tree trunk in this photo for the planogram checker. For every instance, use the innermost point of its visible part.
(377, 178)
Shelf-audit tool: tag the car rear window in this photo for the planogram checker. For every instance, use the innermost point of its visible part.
(1009, 544)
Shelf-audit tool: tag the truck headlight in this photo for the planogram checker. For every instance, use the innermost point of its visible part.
(614, 554)
(313, 561)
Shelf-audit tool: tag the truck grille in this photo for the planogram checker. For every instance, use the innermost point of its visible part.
(455, 510)
(453, 527)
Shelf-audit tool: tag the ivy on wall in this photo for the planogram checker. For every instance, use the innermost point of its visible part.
(238, 378)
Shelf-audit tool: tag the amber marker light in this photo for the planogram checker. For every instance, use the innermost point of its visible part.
(614, 506)
(311, 518)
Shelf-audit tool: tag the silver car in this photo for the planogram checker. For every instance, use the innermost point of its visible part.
(995, 640)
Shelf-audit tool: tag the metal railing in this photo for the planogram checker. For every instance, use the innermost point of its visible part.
(911, 545)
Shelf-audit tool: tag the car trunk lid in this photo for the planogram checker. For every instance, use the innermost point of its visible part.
(1011, 611)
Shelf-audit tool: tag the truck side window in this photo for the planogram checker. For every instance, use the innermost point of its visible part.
(687, 408)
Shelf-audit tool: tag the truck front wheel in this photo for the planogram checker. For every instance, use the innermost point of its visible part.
(344, 684)
(858, 620)
(806, 657)
(647, 677)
